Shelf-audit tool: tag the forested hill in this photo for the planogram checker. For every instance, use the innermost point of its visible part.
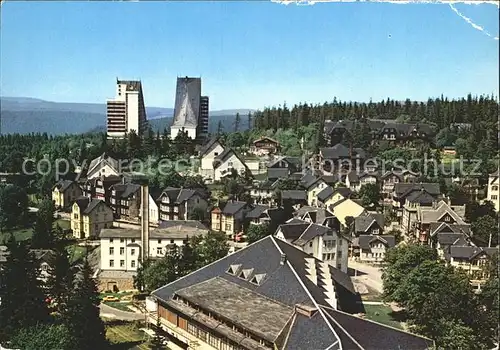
(480, 112)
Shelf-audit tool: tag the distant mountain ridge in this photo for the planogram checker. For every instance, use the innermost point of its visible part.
(26, 115)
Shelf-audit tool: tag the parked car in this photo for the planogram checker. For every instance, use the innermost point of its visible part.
(110, 298)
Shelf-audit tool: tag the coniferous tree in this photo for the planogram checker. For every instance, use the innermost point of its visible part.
(220, 129)
(22, 300)
(43, 232)
(82, 315)
(60, 281)
(237, 123)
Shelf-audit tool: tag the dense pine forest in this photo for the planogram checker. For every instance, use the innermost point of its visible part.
(479, 111)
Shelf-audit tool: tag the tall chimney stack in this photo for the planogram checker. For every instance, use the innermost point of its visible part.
(144, 219)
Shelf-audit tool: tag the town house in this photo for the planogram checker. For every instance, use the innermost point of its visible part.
(89, 217)
(180, 203)
(64, 193)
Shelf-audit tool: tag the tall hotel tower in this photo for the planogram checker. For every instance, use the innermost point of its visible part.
(191, 109)
(126, 112)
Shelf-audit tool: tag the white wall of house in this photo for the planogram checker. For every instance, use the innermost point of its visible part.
(154, 214)
(312, 193)
(207, 168)
(494, 191)
(224, 169)
(102, 169)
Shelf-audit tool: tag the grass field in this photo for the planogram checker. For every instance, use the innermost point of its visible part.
(119, 305)
(22, 234)
(75, 252)
(382, 314)
(125, 335)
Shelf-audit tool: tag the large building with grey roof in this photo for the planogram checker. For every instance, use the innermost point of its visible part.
(270, 295)
(191, 111)
(126, 112)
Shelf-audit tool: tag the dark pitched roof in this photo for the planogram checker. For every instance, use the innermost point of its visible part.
(326, 193)
(344, 191)
(459, 239)
(293, 230)
(294, 195)
(209, 144)
(340, 151)
(92, 205)
(277, 173)
(402, 190)
(357, 333)
(363, 222)
(233, 207)
(257, 211)
(470, 252)
(421, 197)
(317, 215)
(365, 240)
(289, 284)
(311, 232)
(82, 202)
(63, 185)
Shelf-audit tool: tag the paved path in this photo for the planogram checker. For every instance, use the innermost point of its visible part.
(371, 276)
(111, 312)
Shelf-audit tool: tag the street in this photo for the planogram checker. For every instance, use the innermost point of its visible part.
(371, 276)
(111, 312)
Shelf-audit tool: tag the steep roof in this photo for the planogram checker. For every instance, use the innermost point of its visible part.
(63, 185)
(326, 193)
(286, 282)
(402, 190)
(429, 215)
(317, 215)
(293, 230)
(277, 173)
(233, 207)
(213, 141)
(294, 195)
(363, 222)
(92, 205)
(470, 252)
(365, 240)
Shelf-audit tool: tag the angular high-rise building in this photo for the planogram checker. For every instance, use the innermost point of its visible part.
(191, 109)
(126, 112)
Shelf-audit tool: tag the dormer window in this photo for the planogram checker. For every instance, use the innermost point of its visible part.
(258, 279)
(234, 269)
(246, 274)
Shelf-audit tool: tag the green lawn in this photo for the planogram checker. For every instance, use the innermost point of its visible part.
(125, 335)
(382, 314)
(119, 305)
(75, 252)
(25, 233)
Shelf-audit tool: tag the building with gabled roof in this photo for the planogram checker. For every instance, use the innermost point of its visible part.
(270, 295)
(64, 193)
(230, 217)
(265, 146)
(323, 242)
(179, 203)
(493, 190)
(89, 217)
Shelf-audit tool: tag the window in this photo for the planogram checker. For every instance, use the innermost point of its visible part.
(494, 197)
(228, 227)
(132, 251)
(122, 250)
(310, 244)
(96, 227)
(111, 250)
(159, 251)
(447, 218)
(122, 263)
(159, 241)
(340, 254)
(324, 257)
(111, 263)
(132, 263)
(111, 240)
(133, 240)
(172, 241)
(376, 231)
(122, 240)
(494, 188)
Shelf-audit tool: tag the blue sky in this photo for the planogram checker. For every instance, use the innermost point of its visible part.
(249, 54)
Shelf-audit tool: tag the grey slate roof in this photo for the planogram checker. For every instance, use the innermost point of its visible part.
(402, 190)
(388, 240)
(63, 185)
(233, 207)
(277, 173)
(209, 144)
(311, 232)
(294, 195)
(317, 215)
(356, 333)
(340, 151)
(421, 197)
(363, 222)
(286, 285)
(256, 211)
(470, 252)
(326, 193)
(293, 230)
(92, 205)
